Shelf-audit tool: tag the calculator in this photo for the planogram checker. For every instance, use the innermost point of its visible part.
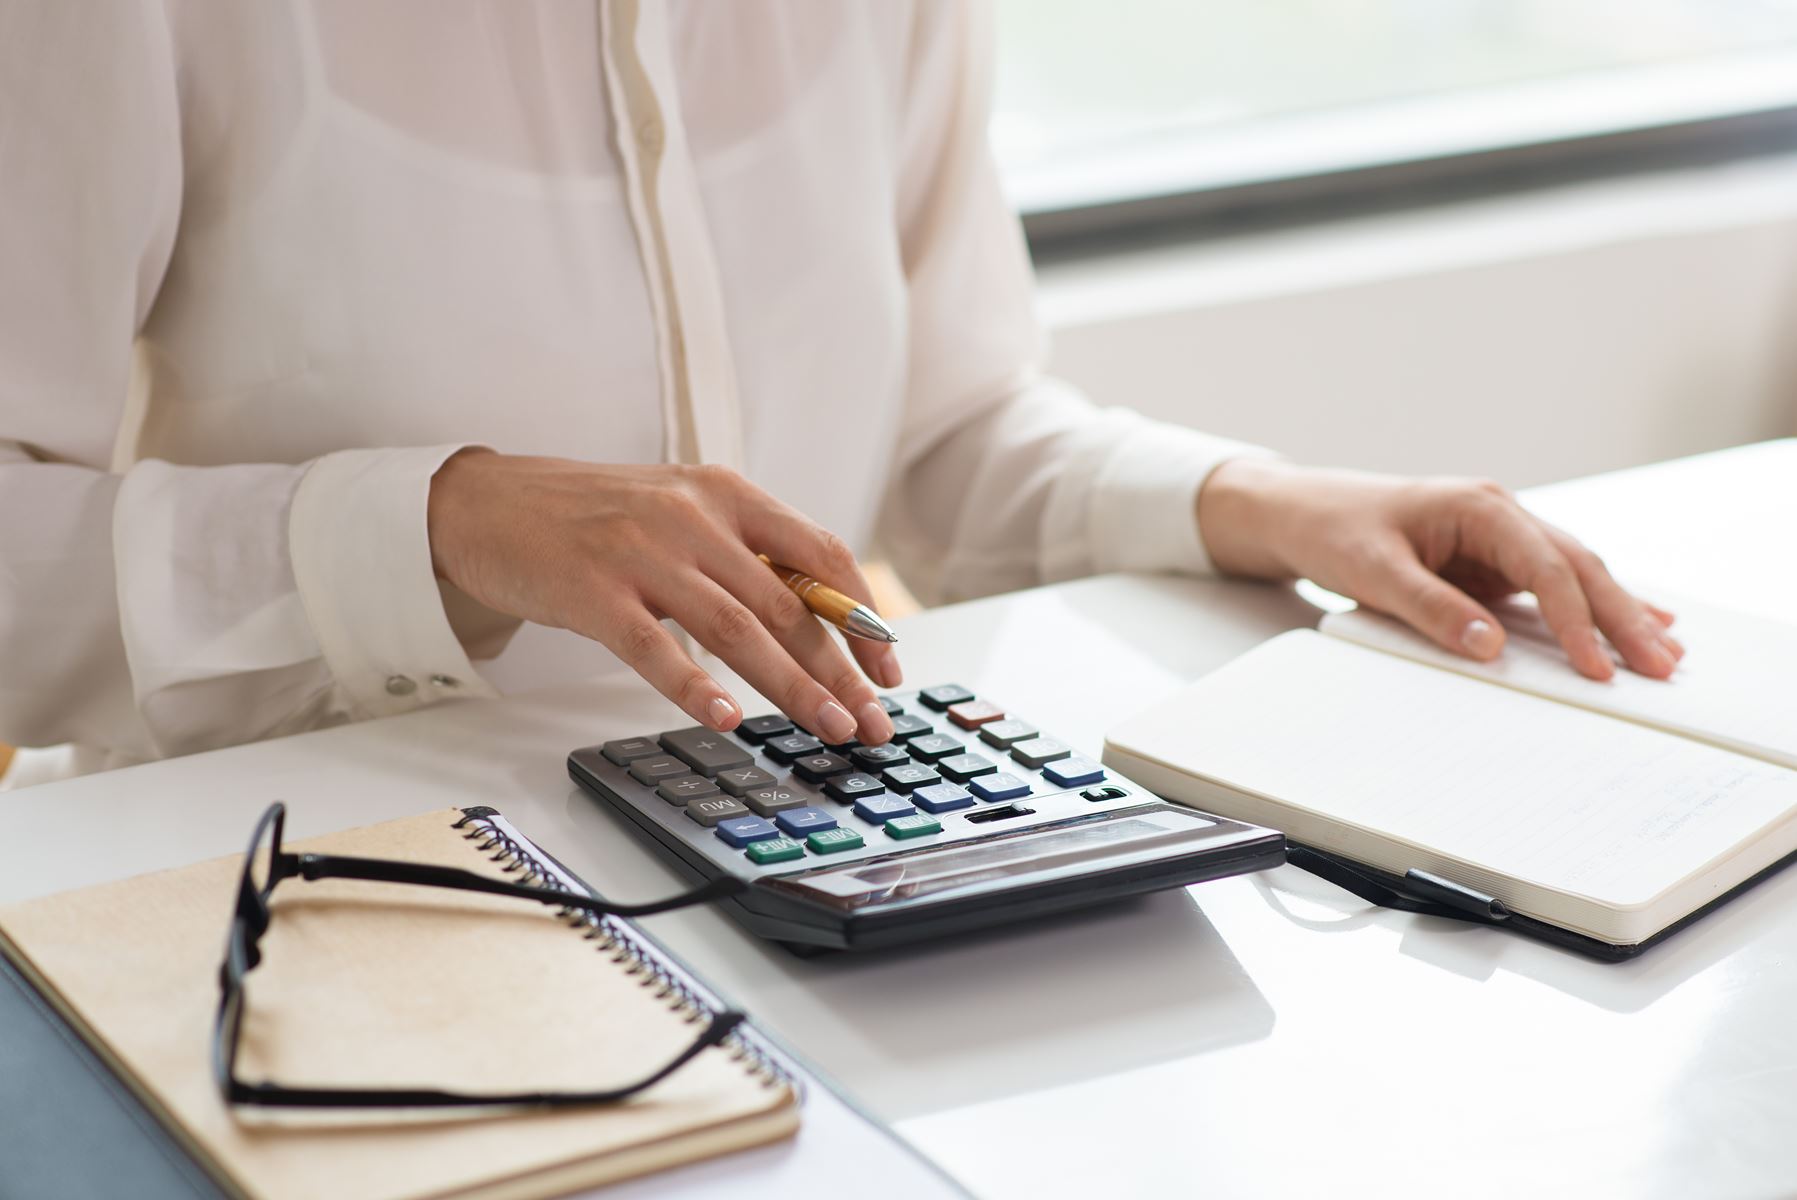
(970, 817)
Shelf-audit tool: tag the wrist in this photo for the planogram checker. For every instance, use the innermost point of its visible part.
(1238, 517)
(447, 508)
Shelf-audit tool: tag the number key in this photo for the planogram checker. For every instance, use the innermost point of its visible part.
(851, 786)
(962, 767)
(875, 758)
(818, 767)
(933, 746)
(789, 746)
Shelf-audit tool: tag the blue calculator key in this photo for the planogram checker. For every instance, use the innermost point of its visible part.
(740, 831)
(907, 726)
(760, 729)
(883, 807)
(1073, 772)
(786, 747)
(942, 797)
(801, 821)
(1002, 786)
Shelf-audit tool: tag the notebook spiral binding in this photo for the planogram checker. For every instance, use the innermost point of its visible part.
(614, 938)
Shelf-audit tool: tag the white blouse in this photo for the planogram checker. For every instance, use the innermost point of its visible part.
(331, 241)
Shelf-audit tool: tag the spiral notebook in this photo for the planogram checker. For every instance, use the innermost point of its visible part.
(367, 985)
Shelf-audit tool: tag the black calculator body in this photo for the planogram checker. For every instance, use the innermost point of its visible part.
(969, 818)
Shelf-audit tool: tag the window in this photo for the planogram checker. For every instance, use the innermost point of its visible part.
(1137, 103)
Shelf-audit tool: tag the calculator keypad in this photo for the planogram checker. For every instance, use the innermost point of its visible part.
(775, 797)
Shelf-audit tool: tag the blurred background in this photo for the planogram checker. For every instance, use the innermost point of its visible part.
(1529, 239)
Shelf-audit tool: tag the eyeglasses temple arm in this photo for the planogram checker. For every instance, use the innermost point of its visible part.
(377, 870)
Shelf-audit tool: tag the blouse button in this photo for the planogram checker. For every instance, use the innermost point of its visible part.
(649, 135)
(445, 681)
(400, 685)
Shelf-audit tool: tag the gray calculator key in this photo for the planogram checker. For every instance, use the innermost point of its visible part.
(625, 751)
(738, 780)
(1036, 751)
(684, 788)
(715, 808)
(852, 786)
(932, 746)
(907, 726)
(789, 746)
(875, 758)
(962, 767)
(1005, 734)
(760, 729)
(943, 695)
(766, 801)
(819, 767)
(705, 750)
(653, 770)
(909, 776)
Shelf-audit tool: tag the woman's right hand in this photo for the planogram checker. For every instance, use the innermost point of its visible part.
(608, 551)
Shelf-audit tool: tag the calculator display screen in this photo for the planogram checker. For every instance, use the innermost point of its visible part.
(1065, 851)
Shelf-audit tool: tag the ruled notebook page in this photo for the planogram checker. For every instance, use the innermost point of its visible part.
(1736, 688)
(1443, 766)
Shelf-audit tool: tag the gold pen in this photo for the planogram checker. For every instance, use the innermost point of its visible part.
(845, 612)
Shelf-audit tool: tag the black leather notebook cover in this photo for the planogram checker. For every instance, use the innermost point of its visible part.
(68, 1127)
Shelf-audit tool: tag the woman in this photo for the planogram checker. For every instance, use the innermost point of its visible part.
(710, 280)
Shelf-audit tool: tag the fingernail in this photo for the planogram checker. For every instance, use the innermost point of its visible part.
(1675, 647)
(890, 675)
(1659, 659)
(1603, 666)
(834, 722)
(876, 726)
(1481, 639)
(721, 713)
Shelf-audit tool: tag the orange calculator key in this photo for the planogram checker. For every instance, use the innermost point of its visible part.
(975, 713)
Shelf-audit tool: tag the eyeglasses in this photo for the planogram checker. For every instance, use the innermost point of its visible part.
(267, 865)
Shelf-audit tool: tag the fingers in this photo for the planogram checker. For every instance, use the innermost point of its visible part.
(1633, 627)
(789, 538)
(639, 640)
(803, 637)
(1402, 586)
(726, 626)
(1503, 534)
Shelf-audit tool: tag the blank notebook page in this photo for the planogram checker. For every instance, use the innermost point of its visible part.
(1737, 685)
(1553, 795)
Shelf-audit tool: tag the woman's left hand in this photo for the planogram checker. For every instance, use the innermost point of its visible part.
(1428, 551)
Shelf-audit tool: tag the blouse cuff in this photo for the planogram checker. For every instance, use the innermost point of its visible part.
(360, 542)
(1144, 509)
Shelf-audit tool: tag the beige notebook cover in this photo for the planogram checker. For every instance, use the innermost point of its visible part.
(377, 985)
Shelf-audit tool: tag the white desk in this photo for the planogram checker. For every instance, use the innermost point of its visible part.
(1268, 1035)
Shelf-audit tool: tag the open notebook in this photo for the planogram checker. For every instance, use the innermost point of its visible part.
(373, 985)
(1611, 811)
